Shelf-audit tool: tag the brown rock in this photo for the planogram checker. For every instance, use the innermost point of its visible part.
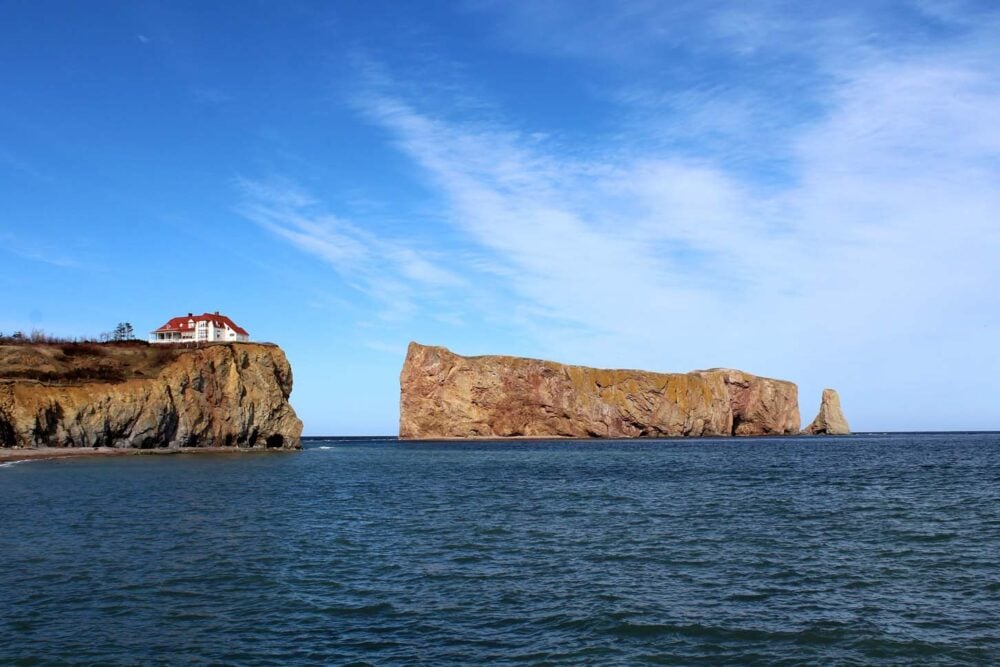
(217, 395)
(444, 395)
(830, 420)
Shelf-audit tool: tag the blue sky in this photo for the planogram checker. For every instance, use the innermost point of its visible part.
(804, 190)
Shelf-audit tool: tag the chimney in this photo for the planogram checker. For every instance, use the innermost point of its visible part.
(190, 314)
(216, 312)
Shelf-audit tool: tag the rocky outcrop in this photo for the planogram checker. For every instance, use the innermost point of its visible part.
(830, 420)
(444, 395)
(216, 395)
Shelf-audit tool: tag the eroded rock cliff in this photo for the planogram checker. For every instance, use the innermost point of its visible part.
(830, 420)
(444, 395)
(217, 395)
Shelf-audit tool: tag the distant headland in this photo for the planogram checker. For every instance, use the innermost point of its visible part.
(445, 395)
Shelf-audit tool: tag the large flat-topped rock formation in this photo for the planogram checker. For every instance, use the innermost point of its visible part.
(445, 395)
(140, 396)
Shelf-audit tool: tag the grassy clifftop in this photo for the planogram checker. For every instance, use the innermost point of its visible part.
(72, 363)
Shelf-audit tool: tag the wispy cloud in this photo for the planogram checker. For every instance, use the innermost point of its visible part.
(13, 162)
(391, 271)
(39, 252)
(586, 240)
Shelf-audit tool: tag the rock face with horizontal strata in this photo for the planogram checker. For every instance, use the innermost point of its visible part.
(444, 395)
(218, 395)
(831, 419)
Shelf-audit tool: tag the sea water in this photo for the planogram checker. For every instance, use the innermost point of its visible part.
(855, 550)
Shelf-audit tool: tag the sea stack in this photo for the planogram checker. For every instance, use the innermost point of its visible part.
(147, 397)
(830, 420)
(445, 395)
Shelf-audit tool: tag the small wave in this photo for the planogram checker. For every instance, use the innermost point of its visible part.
(934, 537)
(8, 464)
(749, 597)
(373, 609)
(323, 447)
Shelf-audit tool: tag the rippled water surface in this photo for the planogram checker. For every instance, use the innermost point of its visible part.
(859, 550)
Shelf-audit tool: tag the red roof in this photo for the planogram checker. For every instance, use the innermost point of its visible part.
(181, 323)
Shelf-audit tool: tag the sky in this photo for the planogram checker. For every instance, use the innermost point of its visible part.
(802, 190)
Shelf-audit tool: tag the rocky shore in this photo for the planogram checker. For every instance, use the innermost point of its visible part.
(14, 455)
(88, 397)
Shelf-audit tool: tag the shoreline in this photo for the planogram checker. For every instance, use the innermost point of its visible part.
(10, 455)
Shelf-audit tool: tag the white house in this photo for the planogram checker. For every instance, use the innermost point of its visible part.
(199, 329)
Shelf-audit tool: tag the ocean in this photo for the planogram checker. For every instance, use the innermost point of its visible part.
(867, 549)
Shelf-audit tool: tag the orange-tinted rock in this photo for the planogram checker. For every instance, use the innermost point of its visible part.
(444, 395)
(830, 420)
(233, 394)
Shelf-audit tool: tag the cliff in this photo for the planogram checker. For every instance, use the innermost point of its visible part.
(830, 420)
(444, 395)
(146, 396)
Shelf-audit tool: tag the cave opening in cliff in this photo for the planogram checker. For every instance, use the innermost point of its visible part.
(274, 441)
(7, 438)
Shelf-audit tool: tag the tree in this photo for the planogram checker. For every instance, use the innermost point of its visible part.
(124, 331)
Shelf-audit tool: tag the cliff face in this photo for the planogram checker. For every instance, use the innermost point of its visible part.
(444, 395)
(830, 420)
(218, 395)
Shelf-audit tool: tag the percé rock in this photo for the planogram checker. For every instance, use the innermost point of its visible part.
(444, 395)
(146, 396)
(830, 420)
